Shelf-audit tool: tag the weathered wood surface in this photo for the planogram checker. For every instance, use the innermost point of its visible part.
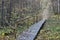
(31, 33)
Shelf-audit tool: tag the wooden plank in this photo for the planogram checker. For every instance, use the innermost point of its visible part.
(31, 33)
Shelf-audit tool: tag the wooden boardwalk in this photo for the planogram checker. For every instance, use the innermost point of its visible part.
(31, 33)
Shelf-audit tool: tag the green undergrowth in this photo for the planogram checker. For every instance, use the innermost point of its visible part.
(7, 36)
(51, 30)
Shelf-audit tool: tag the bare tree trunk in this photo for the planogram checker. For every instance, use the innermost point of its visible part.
(2, 14)
(58, 9)
(9, 10)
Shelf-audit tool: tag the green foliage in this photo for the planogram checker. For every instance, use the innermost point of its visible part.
(51, 30)
(15, 18)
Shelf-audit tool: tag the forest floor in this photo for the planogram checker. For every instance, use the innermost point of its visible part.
(51, 29)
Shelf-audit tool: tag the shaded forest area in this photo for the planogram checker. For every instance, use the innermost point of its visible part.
(56, 6)
(18, 15)
(12, 10)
